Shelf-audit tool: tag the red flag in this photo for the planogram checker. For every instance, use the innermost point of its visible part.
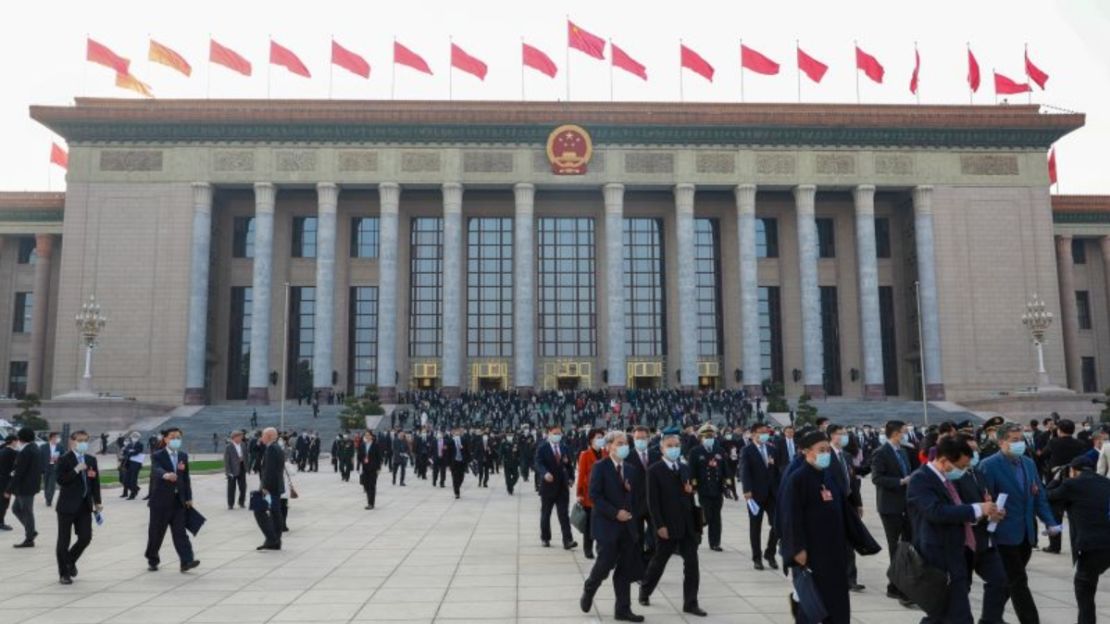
(627, 63)
(1005, 86)
(972, 72)
(694, 62)
(586, 42)
(405, 56)
(916, 71)
(58, 156)
(750, 59)
(100, 54)
(537, 60)
(280, 55)
(870, 65)
(812, 67)
(349, 60)
(229, 58)
(469, 64)
(1051, 167)
(1035, 74)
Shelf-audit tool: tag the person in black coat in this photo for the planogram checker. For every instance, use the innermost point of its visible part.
(670, 500)
(890, 472)
(711, 478)
(1059, 452)
(844, 474)
(458, 458)
(642, 457)
(440, 460)
(271, 486)
(759, 477)
(613, 530)
(370, 463)
(171, 494)
(556, 476)
(7, 464)
(1086, 497)
(129, 470)
(987, 563)
(78, 480)
(25, 483)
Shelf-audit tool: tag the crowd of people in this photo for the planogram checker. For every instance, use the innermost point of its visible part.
(645, 477)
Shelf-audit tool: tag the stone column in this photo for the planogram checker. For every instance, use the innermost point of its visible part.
(750, 358)
(687, 286)
(813, 356)
(927, 280)
(450, 371)
(614, 287)
(327, 197)
(1069, 314)
(258, 392)
(389, 200)
(524, 294)
(196, 345)
(871, 335)
(1104, 245)
(40, 306)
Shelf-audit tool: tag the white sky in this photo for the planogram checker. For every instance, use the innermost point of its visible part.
(42, 47)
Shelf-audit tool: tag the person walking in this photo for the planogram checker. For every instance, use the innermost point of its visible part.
(8, 454)
(1086, 497)
(25, 483)
(51, 452)
(271, 487)
(78, 499)
(586, 460)
(759, 477)
(890, 472)
(171, 494)
(458, 454)
(370, 463)
(556, 477)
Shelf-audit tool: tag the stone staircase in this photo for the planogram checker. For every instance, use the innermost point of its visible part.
(199, 426)
(856, 413)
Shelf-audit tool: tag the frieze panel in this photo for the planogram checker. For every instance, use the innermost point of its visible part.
(989, 164)
(487, 162)
(295, 160)
(836, 164)
(131, 160)
(775, 164)
(541, 163)
(239, 160)
(894, 164)
(649, 162)
(358, 160)
(420, 162)
(715, 162)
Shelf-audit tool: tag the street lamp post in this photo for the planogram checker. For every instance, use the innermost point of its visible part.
(90, 322)
(1037, 320)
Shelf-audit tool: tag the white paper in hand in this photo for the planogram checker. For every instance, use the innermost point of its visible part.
(753, 507)
(1001, 502)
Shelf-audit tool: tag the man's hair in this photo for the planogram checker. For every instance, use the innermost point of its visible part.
(1006, 428)
(759, 425)
(832, 429)
(821, 420)
(641, 429)
(1034, 423)
(892, 427)
(946, 427)
(953, 448)
(26, 434)
(79, 432)
(167, 431)
(596, 431)
(613, 435)
(1066, 426)
(553, 427)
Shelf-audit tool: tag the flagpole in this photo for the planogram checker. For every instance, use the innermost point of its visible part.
(522, 96)
(798, 68)
(568, 58)
(85, 71)
(450, 73)
(856, 44)
(741, 70)
(681, 95)
(1028, 81)
(611, 61)
(970, 89)
(269, 70)
(994, 77)
(393, 71)
(331, 69)
(917, 66)
(208, 71)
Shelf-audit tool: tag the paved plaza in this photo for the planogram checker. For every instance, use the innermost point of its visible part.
(421, 556)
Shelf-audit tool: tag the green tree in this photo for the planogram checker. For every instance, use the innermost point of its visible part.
(776, 402)
(29, 415)
(356, 409)
(806, 414)
(1105, 416)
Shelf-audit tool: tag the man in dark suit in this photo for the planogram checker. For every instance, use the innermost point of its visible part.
(671, 503)
(7, 464)
(370, 463)
(272, 486)
(612, 528)
(440, 460)
(78, 499)
(943, 531)
(759, 477)
(1086, 497)
(25, 483)
(843, 474)
(890, 472)
(235, 468)
(51, 452)
(987, 562)
(129, 470)
(458, 456)
(642, 457)
(1059, 452)
(171, 494)
(786, 448)
(556, 477)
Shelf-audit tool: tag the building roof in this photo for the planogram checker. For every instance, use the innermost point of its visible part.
(437, 121)
(1081, 209)
(31, 200)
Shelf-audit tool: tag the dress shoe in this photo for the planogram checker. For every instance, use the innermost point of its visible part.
(645, 599)
(771, 563)
(586, 602)
(65, 580)
(893, 594)
(152, 567)
(569, 545)
(716, 548)
(907, 603)
(5, 527)
(695, 610)
(547, 543)
(72, 569)
(24, 544)
(132, 497)
(589, 555)
(758, 565)
(240, 504)
(628, 616)
(1050, 550)
(368, 507)
(230, 507)
(185, 567)
(857, 588)
(124, 495)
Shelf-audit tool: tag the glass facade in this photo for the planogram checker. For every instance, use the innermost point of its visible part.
(364, 237)
(239, 343)
(567, 316)
(362, 340)
(882, 237)
(1079, 251)
(426, 287)
(770, 336)
(826, 238)
(304, 237)
(242, 237)
(17, 380)
(26, 253)
(21, 316)
(302, 337)
(644, 317)
(830, 339)
(766, 238)
(1082, 308)
(1089, 374)
(489, 287)
(890, 342)
(707, 272)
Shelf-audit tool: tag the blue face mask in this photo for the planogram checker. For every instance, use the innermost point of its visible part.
(82, 448)
(174, 444)
(1017, 449)
(823, 460)
(673, 452)
(640, 444)
(599, 443)
(842, 441)
(708, 443)
(975, 459)
(955, 474)
(763, 437)
(555, 438)
(622, 451)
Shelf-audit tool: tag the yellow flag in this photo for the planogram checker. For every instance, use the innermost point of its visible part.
(127, 81)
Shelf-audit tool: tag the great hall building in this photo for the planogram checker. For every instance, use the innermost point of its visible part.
(535, 245)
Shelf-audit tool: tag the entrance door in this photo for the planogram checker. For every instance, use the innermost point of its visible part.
(568, 383)
(645, 383)
(491, 383)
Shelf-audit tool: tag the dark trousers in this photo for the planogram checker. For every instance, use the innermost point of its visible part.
(344, 469)
(1014, 560)
(511, 477)
(458, 472)
(524, 470)
(270, 523)
(897, 528)
(1056, 541)
(645, 536)
(370, 485)
(483, 474)
(439, 474)
(711, 506)
(132, 483)
(559, 504)
(755, 532)
(283, 517)
(172, 518)
(588, 534)
(79, 524)
(613, 556)
(4, 503)
(687, 547)
(958, 608)
(23, 507)
(1090, 565)
(239, 482)
(49, 482)
(400, 465)
(988, 565)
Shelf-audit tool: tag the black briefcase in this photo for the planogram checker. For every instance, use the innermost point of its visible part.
(809, 600)
(258, 501)
(580, 518)
(920, 582)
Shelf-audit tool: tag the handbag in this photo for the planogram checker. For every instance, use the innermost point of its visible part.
(579, 518)
(809, 601)
(920, 582)
(292, 490)
(258, 502)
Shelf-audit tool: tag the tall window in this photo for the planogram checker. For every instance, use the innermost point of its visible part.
(364, 237)
(1083, 308)
(882, 237)
(426, 289)
(1089, 374)
(362, 351)
(21, 319)
(242, 237)
(567, 321)
(304, 237)
(1078, 251)
(830, 337)
(17, 380)
(707, 275)
(770, 336)
(767, 238)
(826, 238)
(489, 287)
(302, 337)
(239, 342)
(26, 253)
(644, 325)
(890, 343)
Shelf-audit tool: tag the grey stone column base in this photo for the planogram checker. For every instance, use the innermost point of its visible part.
(815, 392)
(195, 396)
(934, 392)
(874, 392)
(258, 396)
(615, 390)
(525, 390)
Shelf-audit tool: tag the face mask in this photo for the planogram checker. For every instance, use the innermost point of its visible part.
(882, 439)
(599, 443)
(281, 443)
(1017, 449)
(954, 474)
(823, 460)
(622, 451)
(842, 441)
(975, 459)
(555, 438)
(708, 443)
(175, 444)
(728, 436)
(82, 448)
(485, 438)
(135, 438)
(673, 452)
(763, 437)
(640, 444)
